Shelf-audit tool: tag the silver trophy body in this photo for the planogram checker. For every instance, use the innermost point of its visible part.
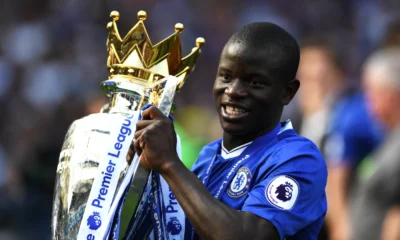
(74, 178)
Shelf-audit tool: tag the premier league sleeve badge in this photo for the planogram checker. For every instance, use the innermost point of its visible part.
(240, 183)
(282, 192)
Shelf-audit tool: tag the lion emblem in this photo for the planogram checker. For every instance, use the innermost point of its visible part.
(174, 226)
(284, 191)
(239, 181)
(94, 221)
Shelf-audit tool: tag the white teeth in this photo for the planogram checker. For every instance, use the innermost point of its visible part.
(234, 110)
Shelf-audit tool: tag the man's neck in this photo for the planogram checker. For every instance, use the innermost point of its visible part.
(232, 141)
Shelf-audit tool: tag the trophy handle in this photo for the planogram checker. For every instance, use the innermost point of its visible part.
(167, 97)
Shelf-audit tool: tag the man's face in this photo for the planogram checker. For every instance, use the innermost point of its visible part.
(314, 72)
(382, 99)
(247, 97)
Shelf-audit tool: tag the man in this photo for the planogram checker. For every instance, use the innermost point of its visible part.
(347, 142)
(352, 135)
(380, 198)
(275, 178)
(349, 145)
(332, 109)
(323, 83)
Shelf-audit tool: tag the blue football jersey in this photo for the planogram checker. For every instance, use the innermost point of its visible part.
(353, 133)
(279, 176)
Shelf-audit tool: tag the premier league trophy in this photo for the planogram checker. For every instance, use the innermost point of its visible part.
(92, 168)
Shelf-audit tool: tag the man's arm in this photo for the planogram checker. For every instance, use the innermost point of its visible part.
(338, 212)
(342, 153)
(391, 224)
(211, 218)
(156, 143)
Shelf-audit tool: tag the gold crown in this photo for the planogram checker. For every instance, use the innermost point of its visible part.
(136, 60)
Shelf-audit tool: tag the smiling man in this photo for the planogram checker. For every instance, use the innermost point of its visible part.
(261, 180)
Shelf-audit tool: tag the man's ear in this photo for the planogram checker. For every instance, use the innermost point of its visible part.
(290, 91)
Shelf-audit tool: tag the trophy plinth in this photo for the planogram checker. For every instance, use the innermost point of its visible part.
(138, 74)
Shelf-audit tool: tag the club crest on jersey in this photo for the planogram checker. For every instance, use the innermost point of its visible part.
(240, 183)
(282, 192)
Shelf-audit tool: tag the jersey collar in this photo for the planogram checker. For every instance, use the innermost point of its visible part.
(234, 152)
(262, 140)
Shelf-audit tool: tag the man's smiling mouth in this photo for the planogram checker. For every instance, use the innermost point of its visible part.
(233, 112)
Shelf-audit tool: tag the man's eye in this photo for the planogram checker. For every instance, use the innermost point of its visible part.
(225, 76)
(256, 83)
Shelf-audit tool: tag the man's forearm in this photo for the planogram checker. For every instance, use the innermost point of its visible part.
(211, 218)
(391, 224)
(338, 215)
(206, 213)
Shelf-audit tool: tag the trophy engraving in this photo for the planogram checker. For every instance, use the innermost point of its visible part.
(138, 75)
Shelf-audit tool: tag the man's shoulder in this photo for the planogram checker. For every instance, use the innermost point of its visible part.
(296, 149)
(348, 111)
(296, 158)
(353, 132)
(388, 152)
(292, 143)
(206, 155)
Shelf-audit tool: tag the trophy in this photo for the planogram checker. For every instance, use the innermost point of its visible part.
(140, 73)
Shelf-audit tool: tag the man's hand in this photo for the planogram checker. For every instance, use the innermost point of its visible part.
(155, 140)
(131, 154)
(156, 144)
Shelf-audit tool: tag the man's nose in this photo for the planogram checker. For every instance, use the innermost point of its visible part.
(236, 89)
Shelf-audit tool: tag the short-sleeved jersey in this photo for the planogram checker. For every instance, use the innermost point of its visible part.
(353, 133)
(279, 176)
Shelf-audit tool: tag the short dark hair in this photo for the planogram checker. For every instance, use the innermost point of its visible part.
(278, 43)
(333, 52)
(392, 36)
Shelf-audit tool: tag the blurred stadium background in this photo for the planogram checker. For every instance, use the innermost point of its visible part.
(53, 58)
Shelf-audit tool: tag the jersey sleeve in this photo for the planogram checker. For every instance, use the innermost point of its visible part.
(292, 195)
(341, 147)
(353, 135)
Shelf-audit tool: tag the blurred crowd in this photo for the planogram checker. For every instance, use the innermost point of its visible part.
(53, 58)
